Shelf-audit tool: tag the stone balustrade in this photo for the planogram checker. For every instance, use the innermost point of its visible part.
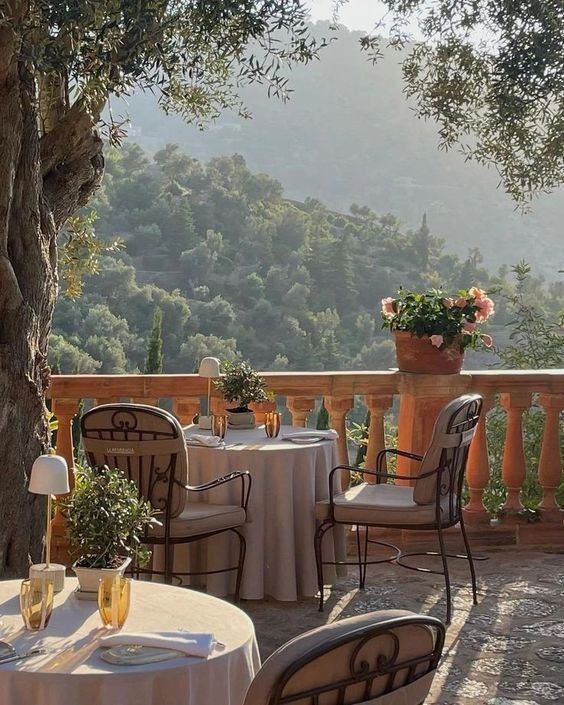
(420, 397)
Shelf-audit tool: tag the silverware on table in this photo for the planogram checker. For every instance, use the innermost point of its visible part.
(26, 654)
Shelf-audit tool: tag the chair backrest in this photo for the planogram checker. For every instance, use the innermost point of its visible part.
(379, 658)
(145, 442)
(453, 432)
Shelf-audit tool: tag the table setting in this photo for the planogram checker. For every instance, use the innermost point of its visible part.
(141, 644)
(290, 467)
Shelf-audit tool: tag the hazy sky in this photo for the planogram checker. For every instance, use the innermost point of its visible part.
(355, 14)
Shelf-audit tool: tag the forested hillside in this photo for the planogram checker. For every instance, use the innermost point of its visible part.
(347, 135)
(236, 269)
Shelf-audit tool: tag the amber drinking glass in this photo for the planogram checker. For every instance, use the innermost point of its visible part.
(272, 423)
(219, 425)
(114, 597)
(36, 602)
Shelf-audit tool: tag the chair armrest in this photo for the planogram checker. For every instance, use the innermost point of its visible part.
(395, 451)
(243, 476)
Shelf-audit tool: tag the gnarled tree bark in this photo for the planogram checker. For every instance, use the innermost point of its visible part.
(44, 178)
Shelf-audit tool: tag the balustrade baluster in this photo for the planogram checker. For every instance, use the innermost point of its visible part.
(377, 405)
(261, 409)
(337, 408)
(65, 410)
(550, 466)
(478, 470)
(513, 467)
(186, 408)
(300, 408)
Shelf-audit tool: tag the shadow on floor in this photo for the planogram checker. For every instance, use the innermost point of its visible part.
(507, 650)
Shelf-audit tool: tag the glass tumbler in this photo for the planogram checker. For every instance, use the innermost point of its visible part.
(114, 597)
(219, 425)
(272, 424)
(36, 602)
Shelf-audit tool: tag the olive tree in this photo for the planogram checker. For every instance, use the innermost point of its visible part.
(491, 74)
(60, 64)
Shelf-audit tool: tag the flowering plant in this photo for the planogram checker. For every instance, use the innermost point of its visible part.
(445, 319)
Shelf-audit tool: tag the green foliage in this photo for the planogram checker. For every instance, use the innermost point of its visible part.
(106, 518)
(536, 341)
(241, 384)
(154, 359)
(193, 55)
(436, 313)
(257, 281)
(80, 252)
(489, 72)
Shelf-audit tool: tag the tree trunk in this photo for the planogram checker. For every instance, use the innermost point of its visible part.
(34, 204)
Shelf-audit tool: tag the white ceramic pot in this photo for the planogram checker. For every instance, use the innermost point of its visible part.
(89, 578)
(241, 419)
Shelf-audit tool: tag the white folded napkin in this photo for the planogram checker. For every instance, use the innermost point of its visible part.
(202, 440)
(330, 434)
(187, 642)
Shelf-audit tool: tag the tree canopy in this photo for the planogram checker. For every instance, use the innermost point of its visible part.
(491, 73)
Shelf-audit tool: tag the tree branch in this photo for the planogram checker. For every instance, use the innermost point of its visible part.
(69, 186)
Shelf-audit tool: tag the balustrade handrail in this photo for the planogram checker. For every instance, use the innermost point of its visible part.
(291, 383)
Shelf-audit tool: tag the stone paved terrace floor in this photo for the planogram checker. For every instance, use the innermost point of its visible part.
(507, 650)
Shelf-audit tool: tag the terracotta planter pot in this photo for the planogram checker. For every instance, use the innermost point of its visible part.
(419, 355)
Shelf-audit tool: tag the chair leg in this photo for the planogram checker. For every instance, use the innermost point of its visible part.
(320, 532)
(446, 574)
(240, 564)
(169, 560)
(470, 560)
(362, 556)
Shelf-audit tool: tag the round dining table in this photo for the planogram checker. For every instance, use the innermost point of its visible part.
(72, 671)
(287, 480)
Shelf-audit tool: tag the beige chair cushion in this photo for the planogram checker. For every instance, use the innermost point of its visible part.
(379, 504)
(199, 518)
(455, 411)
(414, 640)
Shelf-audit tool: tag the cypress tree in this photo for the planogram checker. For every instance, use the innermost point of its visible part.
(154, 359)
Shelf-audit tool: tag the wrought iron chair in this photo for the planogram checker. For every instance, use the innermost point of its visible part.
(379, 658)
(148, 444)
(433, 503)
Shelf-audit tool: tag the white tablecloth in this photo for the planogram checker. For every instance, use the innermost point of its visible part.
(72, 673)
(287, 481)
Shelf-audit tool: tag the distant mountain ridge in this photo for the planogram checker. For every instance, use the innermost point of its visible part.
(347, 135)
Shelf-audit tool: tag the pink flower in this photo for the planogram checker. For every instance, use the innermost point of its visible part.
(477, 293)
(487, 340)
(461, 302)
(448, 303)
(485, 308)
(436, 340)
(388, 307)
(468, 327)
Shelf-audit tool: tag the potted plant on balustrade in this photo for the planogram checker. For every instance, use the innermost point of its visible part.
(433, 329)
(106, 520)
(241, 385)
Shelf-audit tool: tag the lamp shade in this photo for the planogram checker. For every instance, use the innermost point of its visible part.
(209, 367)
(49, 475)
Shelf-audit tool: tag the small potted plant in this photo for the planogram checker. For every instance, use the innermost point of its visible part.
(241, 385)
(433, 329)
(106, 519)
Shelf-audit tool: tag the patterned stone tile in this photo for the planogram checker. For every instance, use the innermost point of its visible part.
(544, 628)
(507, 650)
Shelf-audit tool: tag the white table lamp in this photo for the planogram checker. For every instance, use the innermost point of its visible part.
(49, 476)
(209, 367)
